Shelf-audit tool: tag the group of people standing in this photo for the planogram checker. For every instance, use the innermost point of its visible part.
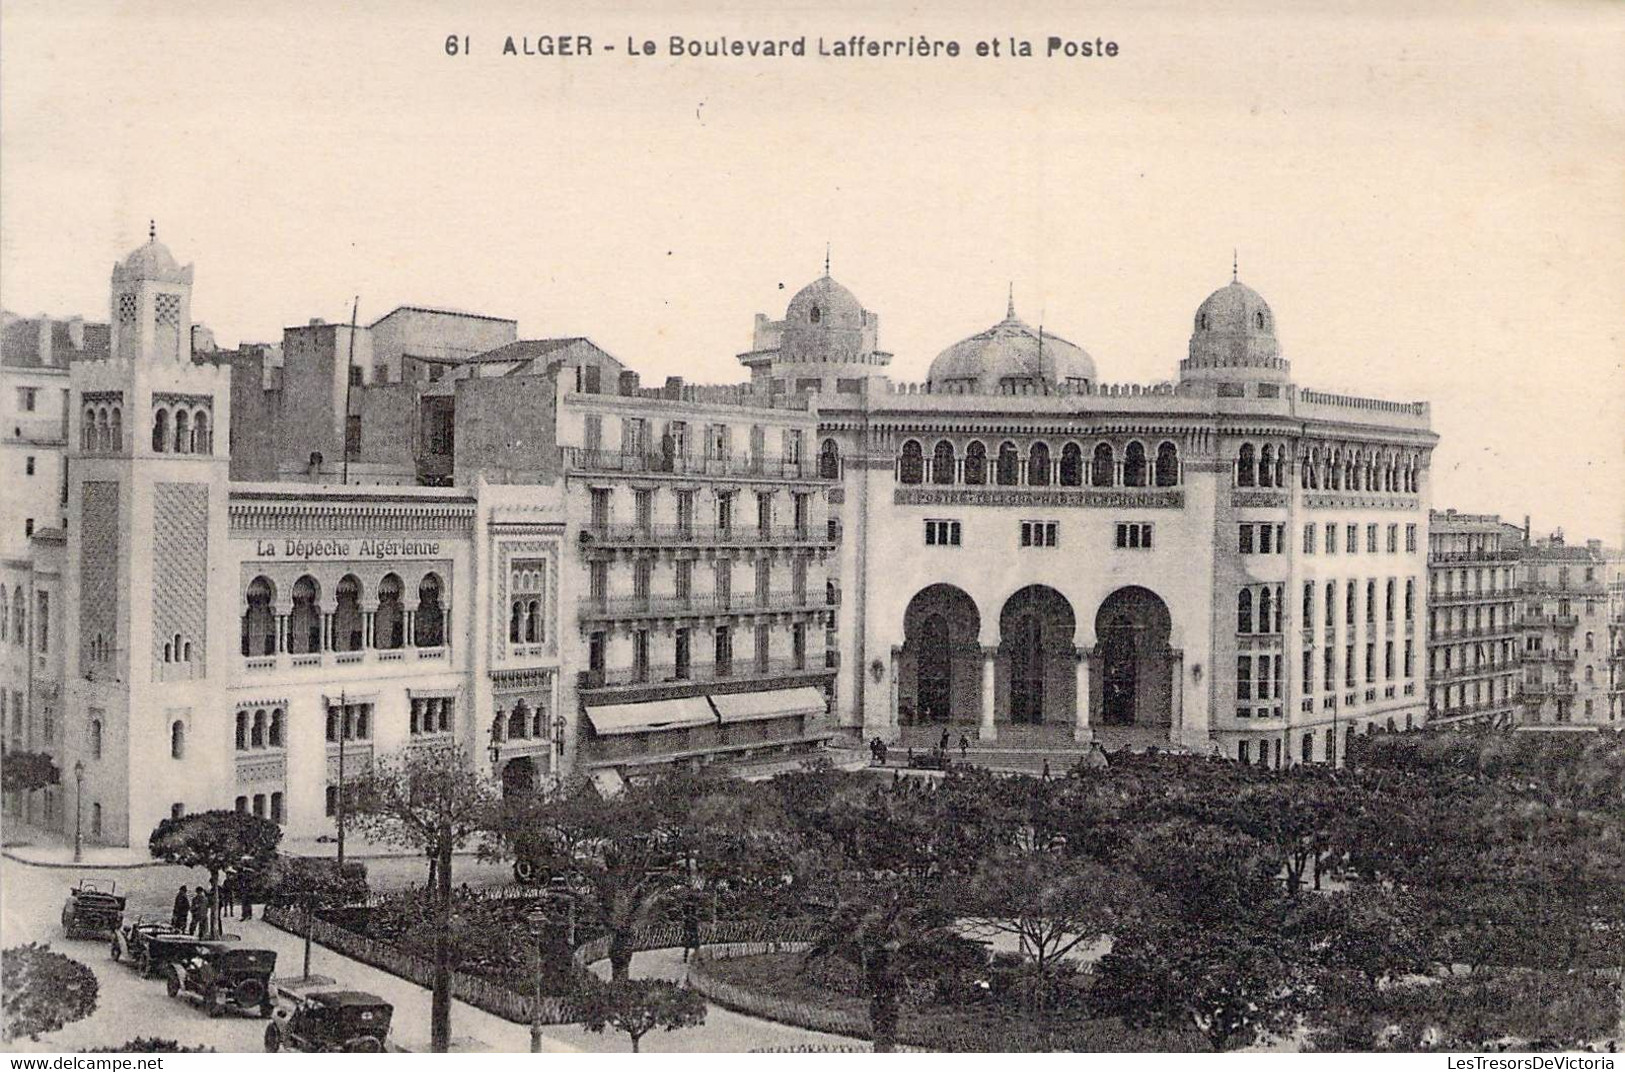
(878, 749)
(193, 911)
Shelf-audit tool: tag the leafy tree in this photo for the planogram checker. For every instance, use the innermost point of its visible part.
(24, 772)
(1052, 903)
(431, 799)
(215, 841)
(1233, 983)
(623, 856)
(43, 991)
(639, 1006)
(892, 929)
(309, 883)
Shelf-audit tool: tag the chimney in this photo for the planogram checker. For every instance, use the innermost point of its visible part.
(674, 388)
(629, 382)
(44, 340)
(317, 322)
(1526, 528)
(76, 332)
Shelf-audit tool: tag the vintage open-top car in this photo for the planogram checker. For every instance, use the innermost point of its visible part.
(221, 977)
(91, 912)
(149, 945)
(331, 1021)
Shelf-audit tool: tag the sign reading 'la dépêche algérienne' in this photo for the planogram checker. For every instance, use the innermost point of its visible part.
(323, 549)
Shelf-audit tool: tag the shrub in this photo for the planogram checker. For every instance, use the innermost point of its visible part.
(44, 991)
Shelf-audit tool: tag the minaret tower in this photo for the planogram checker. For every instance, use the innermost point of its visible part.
(147, 658)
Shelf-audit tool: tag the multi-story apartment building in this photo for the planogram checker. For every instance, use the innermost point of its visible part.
(1564, 623)
(35, 355)
(1474, 649)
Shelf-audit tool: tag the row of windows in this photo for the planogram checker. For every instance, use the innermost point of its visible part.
(683, 579)
(1306, 746)
(1269, 682)
(1261, 539)
(1038, 467)
(309, 627)
(1265, 467)
(1135, 535)
(722, 651)
(190, 434)
(1350, 665)
(265, 730)
(601, 512)
(1351, 541)
(1351, 601)
(259, 800)
(1451, 581)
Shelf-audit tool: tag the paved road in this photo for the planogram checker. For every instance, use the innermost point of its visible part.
(129, 1006)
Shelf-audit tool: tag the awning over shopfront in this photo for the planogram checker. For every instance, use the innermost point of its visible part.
(646, 717)
(779, 703)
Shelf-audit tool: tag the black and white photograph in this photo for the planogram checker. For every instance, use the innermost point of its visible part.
(665, 529)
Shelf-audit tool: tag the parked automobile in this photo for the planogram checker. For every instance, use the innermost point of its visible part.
(92, 912)
(148, 946)
(221, 977)
(331, 1021)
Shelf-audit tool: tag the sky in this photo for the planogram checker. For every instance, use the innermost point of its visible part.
(1430, 197)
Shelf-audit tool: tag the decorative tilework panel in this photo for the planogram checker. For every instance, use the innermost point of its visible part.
(180, 566)
(98, 576)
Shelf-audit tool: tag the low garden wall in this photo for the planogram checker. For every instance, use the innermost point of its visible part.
(515, 1006)
(481, 993)
(766, 1006)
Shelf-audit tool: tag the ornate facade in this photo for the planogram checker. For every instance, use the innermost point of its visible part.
(1225, 563)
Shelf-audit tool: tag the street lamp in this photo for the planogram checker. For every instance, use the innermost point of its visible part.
(78, 810)
(537, 919)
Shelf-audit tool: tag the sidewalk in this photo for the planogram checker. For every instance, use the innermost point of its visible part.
(46, 848)
(471, 1028)
(724, 1031)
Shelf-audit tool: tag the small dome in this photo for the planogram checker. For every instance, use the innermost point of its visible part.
(1236, 309)
(1010, 352)
(1234, 330)
(153, 258)
(827, 304)
(152, 261)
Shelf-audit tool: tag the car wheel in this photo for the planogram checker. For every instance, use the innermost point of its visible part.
(172, 985)
(524, 871)
(144, 963)
(273, 1038)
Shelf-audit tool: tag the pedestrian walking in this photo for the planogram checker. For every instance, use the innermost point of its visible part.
(228, 894)
(942, 745)
(200, 911)
(182, 910)
(1046, 770)
(691, 927)
(883, 750)
(964, 746)
(245, 888)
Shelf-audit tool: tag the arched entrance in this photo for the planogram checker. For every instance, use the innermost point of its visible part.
(940, 665)
(1037, 631)
(1131, 633)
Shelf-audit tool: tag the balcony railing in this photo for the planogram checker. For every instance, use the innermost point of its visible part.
(699, 605)
(270, 664)
(699, 673)
(635, 535)
(581, 459)
(1504, 555)
(1486, 670)
(1577, 588)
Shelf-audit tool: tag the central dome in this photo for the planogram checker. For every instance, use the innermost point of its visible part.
(1236, 309)
(826, 303)
(1010, 356)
